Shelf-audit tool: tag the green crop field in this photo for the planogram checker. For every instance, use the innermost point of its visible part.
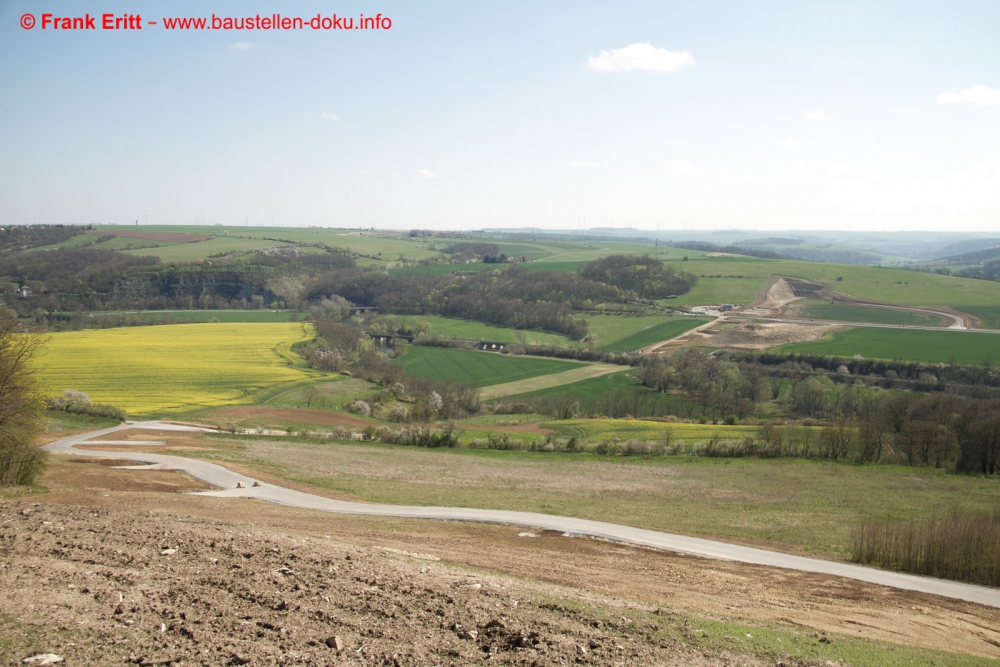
(161, 370)
(592, 388)
(611, 330)
(449, 327)
(849, 313)
(930, 347)
(480, 369)
(656, 333)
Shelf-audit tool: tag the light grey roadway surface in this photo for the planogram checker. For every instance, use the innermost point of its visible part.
(227, 481)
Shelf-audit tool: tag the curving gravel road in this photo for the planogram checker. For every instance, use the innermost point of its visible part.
(228, 481)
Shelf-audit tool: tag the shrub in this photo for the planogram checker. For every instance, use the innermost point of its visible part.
(964, 546)
(361, 408)
(78, 403)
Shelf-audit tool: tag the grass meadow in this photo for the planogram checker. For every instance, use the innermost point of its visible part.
(929, 347)
(479, 369)
(737, 280)
(799, 505)
(163, 370)
(848, 313)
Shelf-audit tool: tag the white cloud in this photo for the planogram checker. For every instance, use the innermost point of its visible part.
(641, 56)
(426, 173)
(330, 116)
(584, 164)
(243, 46)
(795, 144)
(977, 96)
(820, 116)
(678, 166)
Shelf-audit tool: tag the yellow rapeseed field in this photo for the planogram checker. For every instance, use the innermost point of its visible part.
(170, 369)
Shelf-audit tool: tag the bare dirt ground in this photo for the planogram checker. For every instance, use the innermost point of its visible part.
(297, 415)
(750, 336)
(694, 335)
(112, 567)
(151, 236)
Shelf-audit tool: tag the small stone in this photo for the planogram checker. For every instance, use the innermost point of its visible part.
(43, 659)
(237, 659)
(167, 552)
(336, 643)
(26, 512)
(582, 650)
(240, 485)
(522, 642)
(593, 644)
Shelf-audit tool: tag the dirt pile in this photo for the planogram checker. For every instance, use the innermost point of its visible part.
(99, 586)
(753, 336)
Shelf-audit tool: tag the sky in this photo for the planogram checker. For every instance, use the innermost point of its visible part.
(561, 115)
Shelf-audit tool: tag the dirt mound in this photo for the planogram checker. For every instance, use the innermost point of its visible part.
(760, 336)
(780, 294)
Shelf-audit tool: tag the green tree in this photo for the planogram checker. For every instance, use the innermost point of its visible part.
(21, 406)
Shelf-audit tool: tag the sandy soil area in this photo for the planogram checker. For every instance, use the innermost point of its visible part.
(112, 566)
(751, 336)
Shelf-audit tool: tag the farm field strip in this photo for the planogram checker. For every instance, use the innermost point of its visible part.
(176, 368)
(477, 368)
(549, 381)
(922, 345)
(657, 333)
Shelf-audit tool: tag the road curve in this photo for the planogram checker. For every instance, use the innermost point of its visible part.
(227, 481)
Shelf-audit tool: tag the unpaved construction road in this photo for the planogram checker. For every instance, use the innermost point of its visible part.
(234, 485)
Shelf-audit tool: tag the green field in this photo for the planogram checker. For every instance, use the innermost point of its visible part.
(189, 252)
(263, 315)
(449, 327)
(849, 313)
(741, 278)
(930, 347)
(160, 370)
(590, 389)
(480, 369)
(656, 333)
(610, 330)
(799, 504)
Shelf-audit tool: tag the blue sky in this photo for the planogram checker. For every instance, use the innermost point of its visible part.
(767, 115)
